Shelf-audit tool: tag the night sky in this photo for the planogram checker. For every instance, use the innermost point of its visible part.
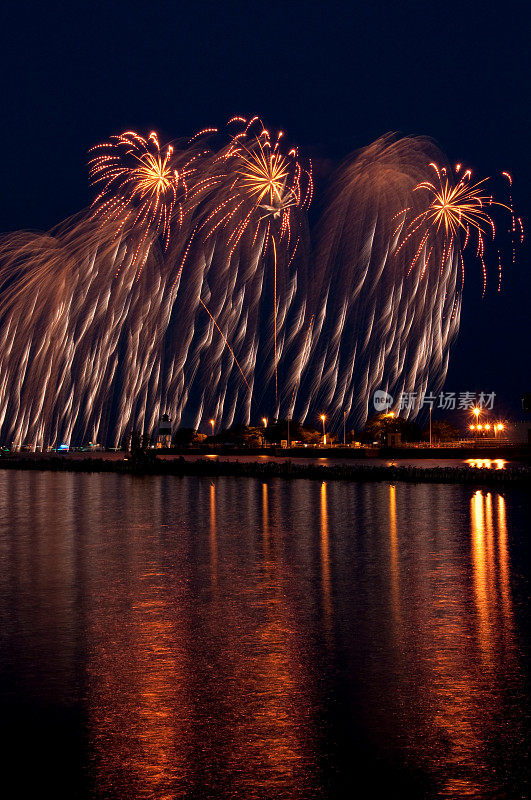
(334, 76)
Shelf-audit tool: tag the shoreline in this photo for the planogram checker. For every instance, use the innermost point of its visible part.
(520, 475)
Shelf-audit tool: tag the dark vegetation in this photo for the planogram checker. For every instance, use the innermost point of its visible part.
(146, 463)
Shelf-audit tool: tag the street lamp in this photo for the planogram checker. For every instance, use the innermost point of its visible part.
(477, 427)
(264, 422)
(324, 434)
(344, 428)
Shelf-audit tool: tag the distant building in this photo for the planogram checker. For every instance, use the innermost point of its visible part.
(164, 434)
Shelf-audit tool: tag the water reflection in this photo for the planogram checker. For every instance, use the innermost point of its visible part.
(241, 638)
(393, 549)
(139, 668)
(325, 556)
(503, 547)
(270, 747)
(490, 558)
(213, 535)
(481, 566)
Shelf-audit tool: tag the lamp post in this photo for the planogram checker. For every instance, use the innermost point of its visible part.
(477, 427)
(344, 428)
(324, 434)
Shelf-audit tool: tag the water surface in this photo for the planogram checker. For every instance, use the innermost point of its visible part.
(166, 637)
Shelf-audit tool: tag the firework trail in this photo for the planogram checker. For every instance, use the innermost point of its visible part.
(243, 275)
(160, 295)
(186, 287)
(83, 310)
(388, 277)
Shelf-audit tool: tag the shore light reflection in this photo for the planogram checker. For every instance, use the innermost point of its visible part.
(503, 554)
(325, 555)
(393, 549)
(272, 640)
(213, 535)
(480, 569)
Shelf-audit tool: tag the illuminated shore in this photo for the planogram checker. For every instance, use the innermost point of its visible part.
(151, 465)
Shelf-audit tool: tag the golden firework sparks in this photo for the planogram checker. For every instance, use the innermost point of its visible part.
(461, 205)
(264, 174)
(263, 182)
(153, 176)
(139, 182)
(455, 206)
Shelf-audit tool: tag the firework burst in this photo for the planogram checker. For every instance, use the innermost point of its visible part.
(264, 174)
(257, 187)
(457, 209)
(186, 288)
(139, 183)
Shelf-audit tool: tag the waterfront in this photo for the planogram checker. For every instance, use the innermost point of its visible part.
(478, 471)
(223, 637)
(331, 461)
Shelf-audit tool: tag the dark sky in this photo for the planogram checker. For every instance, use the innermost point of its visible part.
(334, 76)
